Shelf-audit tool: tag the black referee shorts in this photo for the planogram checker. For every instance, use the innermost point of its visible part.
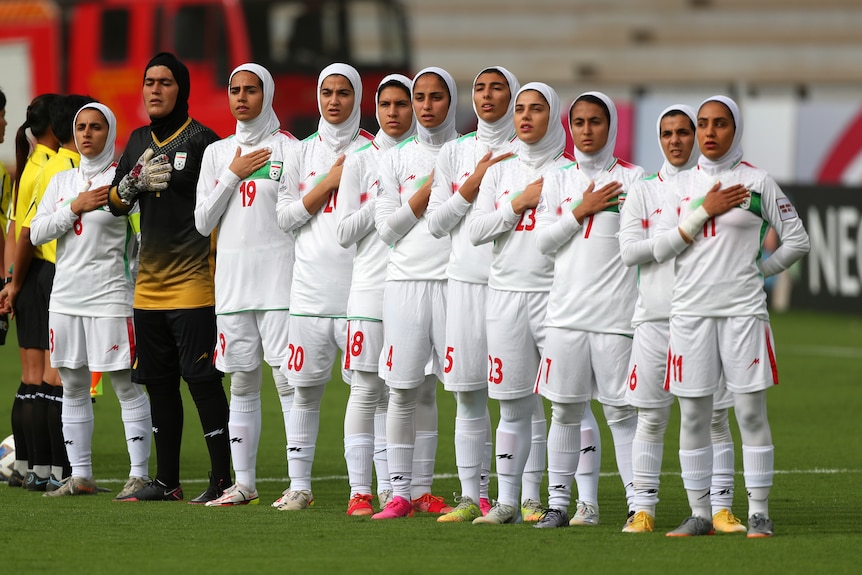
(31, 306)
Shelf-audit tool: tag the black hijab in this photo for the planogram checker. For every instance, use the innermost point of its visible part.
(164, 127)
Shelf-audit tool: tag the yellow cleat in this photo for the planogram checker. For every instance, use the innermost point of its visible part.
(726, 522)
(642, 522)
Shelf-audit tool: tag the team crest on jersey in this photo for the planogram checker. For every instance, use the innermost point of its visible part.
(275, 170)
(180, 160)
(746, 203)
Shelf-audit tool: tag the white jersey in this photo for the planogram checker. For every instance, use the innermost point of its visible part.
(449, 213)
(593, 290)
(92, 277)
(639, 222)
(415, 255)
(516, 264)
(254, 257)
(720, 273)
(357, 195)
(322, 273)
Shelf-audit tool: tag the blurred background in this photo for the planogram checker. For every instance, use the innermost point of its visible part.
(794, 66)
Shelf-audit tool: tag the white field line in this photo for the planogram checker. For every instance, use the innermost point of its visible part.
(822, 351)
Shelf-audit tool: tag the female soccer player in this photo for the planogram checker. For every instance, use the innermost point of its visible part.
(459, 170)
(718, 320)
(90, 314)
(237, 192)
(321, 275)
(365, 417)
(588, 338)
(414, 335)
(519, 281)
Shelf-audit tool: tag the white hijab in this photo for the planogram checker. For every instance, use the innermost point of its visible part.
(254, 131)
(497, 134)
(668, 169)
(446, 131)
(593, 164)
(734, 154)
(553, 142)
(90, 167)
(339, 136)
(383, 140)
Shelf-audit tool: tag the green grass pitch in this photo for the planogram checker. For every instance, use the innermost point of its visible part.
(815, 502)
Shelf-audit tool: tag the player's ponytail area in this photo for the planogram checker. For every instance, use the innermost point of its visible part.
(814, 502)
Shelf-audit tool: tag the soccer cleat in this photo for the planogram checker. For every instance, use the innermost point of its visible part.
(35, 483)
(484, 505)
(465, 512)
(395, 509)
(760, 526)
(54, 484)
(641, 522)
(692, 527)
(73, 486)
(211, 493)
(726, 522)
(155, 490)
(384, 497)
(132, 484)
(531, 510)
(499, 514)
(296, 500)
(553, 518)
(16, 479)
(235, 495)
(360, 505)
(431, 504)
(585, 514)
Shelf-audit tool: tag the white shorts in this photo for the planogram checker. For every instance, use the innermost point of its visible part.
(313, 343)
(464, 364)
(579, 366)
(100, 343)
(364, 342)
(723, 398)
(701, 348)
(516, 338)
(243, 337)
(414, 332)
(646, 384)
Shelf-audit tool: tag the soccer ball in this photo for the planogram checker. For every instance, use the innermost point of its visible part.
(7, 458)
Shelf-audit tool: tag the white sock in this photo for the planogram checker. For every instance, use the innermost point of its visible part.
(470, 437)
(245, 428)
(78, 432)
(721, 490)
(400, 459)
(590, 461)
(646, 470)
(623, 432)
(534, 469)
(424, 455)
(304, 425)
(758, 468)
(564, 446)
(138, 426)
(358, 452)
(696, 465)
(487, 457)
(381, 464)
(512, 448)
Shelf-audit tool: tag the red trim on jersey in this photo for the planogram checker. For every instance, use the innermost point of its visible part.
(667, 370)
(771, 354)
(288, 134)
(347, 348)
(366, 134)
(130, 327)
(569, 156)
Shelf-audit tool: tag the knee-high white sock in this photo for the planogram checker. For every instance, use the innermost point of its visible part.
(512, 448)
(646, 470)
(138, 425)
(358, 453)
(696, 465)
(286, 394)
(590, 461)
(470, 437)
(531, 483)
(564, 447)
(381, 464)
(721, 490)
(400, 439)
(487, 457)
(425, 452)
(302, 439)
(78, 432)
(758, 468)
(623, 432)
(245, 427)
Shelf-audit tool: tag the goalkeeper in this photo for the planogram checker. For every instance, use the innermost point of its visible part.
(174, 314)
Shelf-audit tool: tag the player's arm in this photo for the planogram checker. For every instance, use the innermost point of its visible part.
(635, 244)
(554, 233)
(150, 173)
(24, 250)
(782, 216)
(392, 219)
(490, 221)
(328, 186)
(445, 208)
(355, 218)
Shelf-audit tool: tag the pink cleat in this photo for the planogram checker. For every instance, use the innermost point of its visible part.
(485, 505)
(398, 507)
